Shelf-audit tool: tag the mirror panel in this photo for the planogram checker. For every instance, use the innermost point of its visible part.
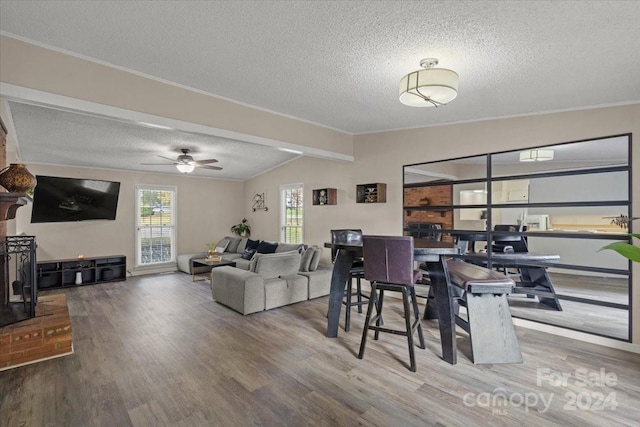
(572, 199)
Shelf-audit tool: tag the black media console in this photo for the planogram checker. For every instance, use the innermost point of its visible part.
(63, 273)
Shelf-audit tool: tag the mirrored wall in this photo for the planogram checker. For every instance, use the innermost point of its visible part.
(565, 200)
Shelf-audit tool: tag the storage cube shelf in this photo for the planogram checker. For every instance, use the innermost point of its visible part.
(371, 193)
(325, 196)
(62, 273)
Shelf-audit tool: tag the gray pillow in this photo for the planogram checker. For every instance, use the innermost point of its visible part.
(242, 245)
(222, 245)
(305, 261)
(233, 244)
(315, 260)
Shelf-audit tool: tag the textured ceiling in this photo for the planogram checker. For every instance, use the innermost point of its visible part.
(338, 63)
(58, 137)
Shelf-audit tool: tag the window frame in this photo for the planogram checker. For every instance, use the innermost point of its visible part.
(173, 225)
(283, 210)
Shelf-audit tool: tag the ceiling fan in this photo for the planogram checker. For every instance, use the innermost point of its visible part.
(186, 164)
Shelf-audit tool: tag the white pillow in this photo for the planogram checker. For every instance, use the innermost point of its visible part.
(222, 246)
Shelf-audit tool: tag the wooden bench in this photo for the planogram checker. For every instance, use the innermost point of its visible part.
(489, 324)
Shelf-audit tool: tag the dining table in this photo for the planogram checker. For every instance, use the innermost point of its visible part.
(433, 254)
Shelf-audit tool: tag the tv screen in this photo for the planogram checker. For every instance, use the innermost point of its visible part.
(58, 199)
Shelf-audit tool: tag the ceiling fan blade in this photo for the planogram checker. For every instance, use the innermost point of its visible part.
(159, 164)
(215, 168)
(167, 158)
(204, 162)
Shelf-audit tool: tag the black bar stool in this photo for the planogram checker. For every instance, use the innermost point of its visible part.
(388, 265)
(353, 236)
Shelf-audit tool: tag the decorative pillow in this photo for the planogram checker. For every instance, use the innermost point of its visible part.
(315, 260)
(233, 244)
(222, 246)
(248, 254)
(267, 248)
(252, 244)
(306, 259)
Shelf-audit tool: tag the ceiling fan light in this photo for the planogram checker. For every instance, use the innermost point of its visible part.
(536, 155)
(185, 167)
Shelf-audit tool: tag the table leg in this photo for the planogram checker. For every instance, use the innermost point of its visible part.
(537, 279)
(339, 278)
(440, 283)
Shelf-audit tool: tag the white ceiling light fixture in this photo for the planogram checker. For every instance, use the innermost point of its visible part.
(536, 155)
(185, 167)
(430, 87)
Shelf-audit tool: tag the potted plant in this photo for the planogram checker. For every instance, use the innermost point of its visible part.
(627, 250)
(242, 229)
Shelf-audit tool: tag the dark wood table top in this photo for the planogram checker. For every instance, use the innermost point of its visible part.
(423, 249)
(513, 258)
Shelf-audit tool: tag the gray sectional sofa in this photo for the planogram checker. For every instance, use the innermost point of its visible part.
(290, 274)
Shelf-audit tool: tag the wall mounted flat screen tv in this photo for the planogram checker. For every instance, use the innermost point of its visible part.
(57, 199)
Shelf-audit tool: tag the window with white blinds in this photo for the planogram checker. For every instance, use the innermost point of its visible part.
(155, 225)
(291, 213)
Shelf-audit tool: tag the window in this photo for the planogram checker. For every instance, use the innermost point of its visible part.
(291, 213)
(155, 225)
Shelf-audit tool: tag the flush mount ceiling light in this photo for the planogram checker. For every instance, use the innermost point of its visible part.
(430, 87)
(536, 155)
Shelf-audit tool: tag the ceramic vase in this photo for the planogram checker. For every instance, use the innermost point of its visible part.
(17, 178)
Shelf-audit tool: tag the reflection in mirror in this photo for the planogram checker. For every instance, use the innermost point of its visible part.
(564, 200)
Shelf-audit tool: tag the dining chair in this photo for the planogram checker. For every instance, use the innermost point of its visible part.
(509, 243)
(352, 236)
(388, 266)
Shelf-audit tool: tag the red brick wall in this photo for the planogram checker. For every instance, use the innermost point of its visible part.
(439, 195)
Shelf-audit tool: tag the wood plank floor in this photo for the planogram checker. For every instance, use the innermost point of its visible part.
(607, 321)
(157, 350)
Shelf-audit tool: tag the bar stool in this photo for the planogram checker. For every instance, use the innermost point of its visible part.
(356, 272)
(388, 265)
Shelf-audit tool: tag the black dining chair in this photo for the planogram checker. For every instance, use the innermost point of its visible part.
(510, 243)
(352, 236)
(388, 266)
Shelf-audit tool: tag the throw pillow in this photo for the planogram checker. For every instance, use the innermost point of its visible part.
(267, 248)
(305, 261)
(252, 244)
(315, 261)
(233, 244)
(222, 246)
(248, 254)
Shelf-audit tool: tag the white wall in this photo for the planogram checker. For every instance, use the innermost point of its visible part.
(207, 208)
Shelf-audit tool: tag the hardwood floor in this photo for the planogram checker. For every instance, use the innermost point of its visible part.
(156, 350)
(608, 321)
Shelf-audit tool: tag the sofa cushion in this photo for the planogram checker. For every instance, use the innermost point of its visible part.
(233, 244)
(305, 260)
(252, 244)
(242, 245)
(315, 260)
(266, 247)
(288, 247)
(276, 265)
